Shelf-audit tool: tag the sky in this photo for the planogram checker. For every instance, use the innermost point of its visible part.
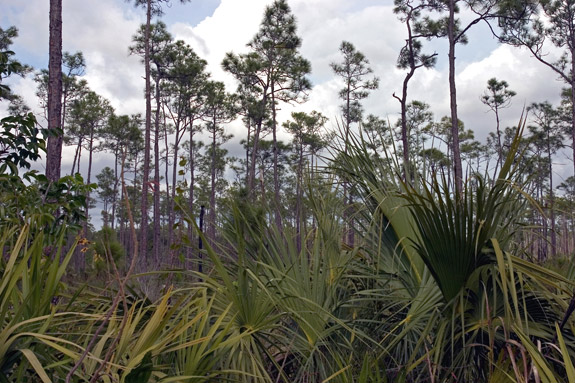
(103, 29)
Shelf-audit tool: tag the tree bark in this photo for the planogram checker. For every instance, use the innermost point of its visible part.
(157, 226)
(172, 195)
(457, 167)
(403, 103)
(89, 177)
(277, 203)
(54, 148)
(256, 142)
(116, 184)
(212, 223)
(347, 198)
(143, 248)
(76, 157)
(551, 199)
(404, 135)
(499, 145)
(191, 196)
(200, 242)
(248, 142)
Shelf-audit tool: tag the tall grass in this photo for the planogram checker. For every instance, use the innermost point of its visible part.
(430, 292)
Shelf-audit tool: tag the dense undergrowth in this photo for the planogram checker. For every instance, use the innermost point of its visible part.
(432, 290)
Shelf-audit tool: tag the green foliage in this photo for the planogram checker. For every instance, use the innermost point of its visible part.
(29, 293)
(143, 372)
(105, 247)
(7, 67)
(449, 295)
(73, 87)
(498, 95)
(410, 56)
(50, 206)
(353, 70)
(21, 142)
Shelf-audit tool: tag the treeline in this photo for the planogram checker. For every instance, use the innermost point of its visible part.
(175, 164)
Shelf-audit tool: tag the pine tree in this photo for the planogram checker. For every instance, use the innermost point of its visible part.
(496, 97)
(549, 24)
(411, 58)
(153, 42)
(305, 129)
(483, 11)
(352, 70)
(152, 7)
(122, 136)
(273, 71)
(547, 139)
(183, 97)
(220, 109)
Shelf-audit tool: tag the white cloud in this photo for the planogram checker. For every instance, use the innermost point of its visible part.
(230, 28)
(530, 80)
(102, 30)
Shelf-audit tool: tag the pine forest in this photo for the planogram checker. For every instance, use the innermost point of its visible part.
(299, 246)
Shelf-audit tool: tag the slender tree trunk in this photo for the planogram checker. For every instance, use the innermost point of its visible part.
(252, 164)
(248, 140)
(145, 177)
(543, 244)
(167, 197)
(191, 196)
(457, 167)
(551, 199)
(172, 195)
(116, 182)
(499, 145)
(404, 132)
(54, 149)
(65, 95)
(122, 236)
(347, 198)
(76, 157)
(263, 184)
(255, 147)
(80, 257)
(89, 177)
(564, 236)
(157, 227)
(278, 216)
(403, 103)
(180, 128)
(200, 242)
(130, 243)
(404, 135)
(212, 218)
(81, 260)
(167, 179)
(299, 196)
